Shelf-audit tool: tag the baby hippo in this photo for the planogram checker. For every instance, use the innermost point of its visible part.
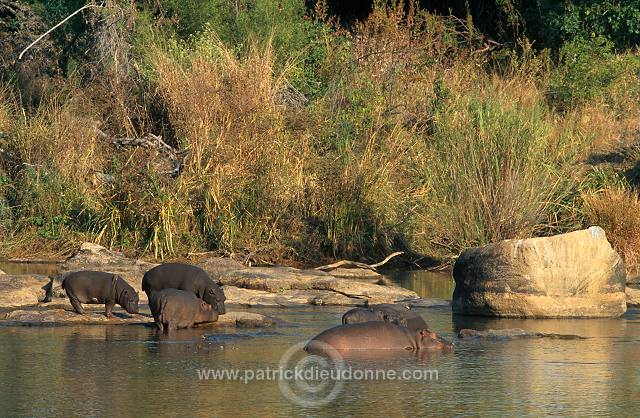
(184, 277)
(99, 287)
(374, 335)
(173, 309)
(395, 314)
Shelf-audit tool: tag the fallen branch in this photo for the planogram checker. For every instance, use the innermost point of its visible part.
(355, 264)
(151, 141)
(56, 26)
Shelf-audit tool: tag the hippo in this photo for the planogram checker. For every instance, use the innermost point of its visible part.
(387, 313)
(374, 335)
(88, 286)
(184, 277)
(173, 309)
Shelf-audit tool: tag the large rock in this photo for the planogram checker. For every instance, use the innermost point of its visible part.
(570, 275)
(249, 297)
(216, 266)
(293, 286)
(22, 290)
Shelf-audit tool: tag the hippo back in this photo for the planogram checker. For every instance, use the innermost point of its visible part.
(373, 335)
(185, 277)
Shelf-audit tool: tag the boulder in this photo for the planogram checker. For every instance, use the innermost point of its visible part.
(576, 274)
(633, 296)
(22, 290)
(216, 266)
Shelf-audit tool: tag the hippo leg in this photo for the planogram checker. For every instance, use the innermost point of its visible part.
(108, 307)
(77, 306)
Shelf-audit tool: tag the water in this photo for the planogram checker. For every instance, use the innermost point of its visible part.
(127, 370)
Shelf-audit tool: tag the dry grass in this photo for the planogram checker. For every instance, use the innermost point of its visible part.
(617, 211)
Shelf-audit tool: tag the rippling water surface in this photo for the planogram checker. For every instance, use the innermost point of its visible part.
(130, 370)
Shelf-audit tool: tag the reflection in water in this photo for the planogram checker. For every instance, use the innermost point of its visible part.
(427, 284)
(45, 269)
(134, 370)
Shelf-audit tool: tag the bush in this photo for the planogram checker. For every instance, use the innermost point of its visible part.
(589, 70)
(496, 170)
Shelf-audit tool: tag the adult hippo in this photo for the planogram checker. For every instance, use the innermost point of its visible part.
(173, 309)
(184, 277)
(385, 312)
(374, 335)
(88, 286)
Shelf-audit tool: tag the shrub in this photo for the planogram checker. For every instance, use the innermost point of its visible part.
(589, 70)
(496, 169)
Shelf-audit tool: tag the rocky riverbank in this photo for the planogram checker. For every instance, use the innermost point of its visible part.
(22, 296)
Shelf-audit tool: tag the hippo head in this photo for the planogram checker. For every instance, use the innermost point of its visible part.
(431, 341)
(206, 313)
(214, 296)
(130, 300)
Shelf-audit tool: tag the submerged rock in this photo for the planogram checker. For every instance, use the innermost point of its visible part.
(570, 275)
(512, 333)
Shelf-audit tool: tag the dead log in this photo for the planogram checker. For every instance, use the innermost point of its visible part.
(355, 264)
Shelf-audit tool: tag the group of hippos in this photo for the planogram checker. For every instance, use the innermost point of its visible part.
(180, 295)
(183, 295)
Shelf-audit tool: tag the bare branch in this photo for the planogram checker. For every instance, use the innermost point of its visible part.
(56, 26)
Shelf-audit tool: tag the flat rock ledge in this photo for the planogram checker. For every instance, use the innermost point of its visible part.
(512, 333)
(61, 316)
(247, 286)
(573, 275)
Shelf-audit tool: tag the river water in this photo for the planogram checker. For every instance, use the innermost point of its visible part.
(131, 370)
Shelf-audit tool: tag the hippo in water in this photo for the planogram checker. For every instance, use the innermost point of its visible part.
(184, 277)
(173, 309)
(99, 287)
(375, 335)
(385, 312)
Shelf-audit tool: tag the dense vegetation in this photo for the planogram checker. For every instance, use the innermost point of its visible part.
(301, 137)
